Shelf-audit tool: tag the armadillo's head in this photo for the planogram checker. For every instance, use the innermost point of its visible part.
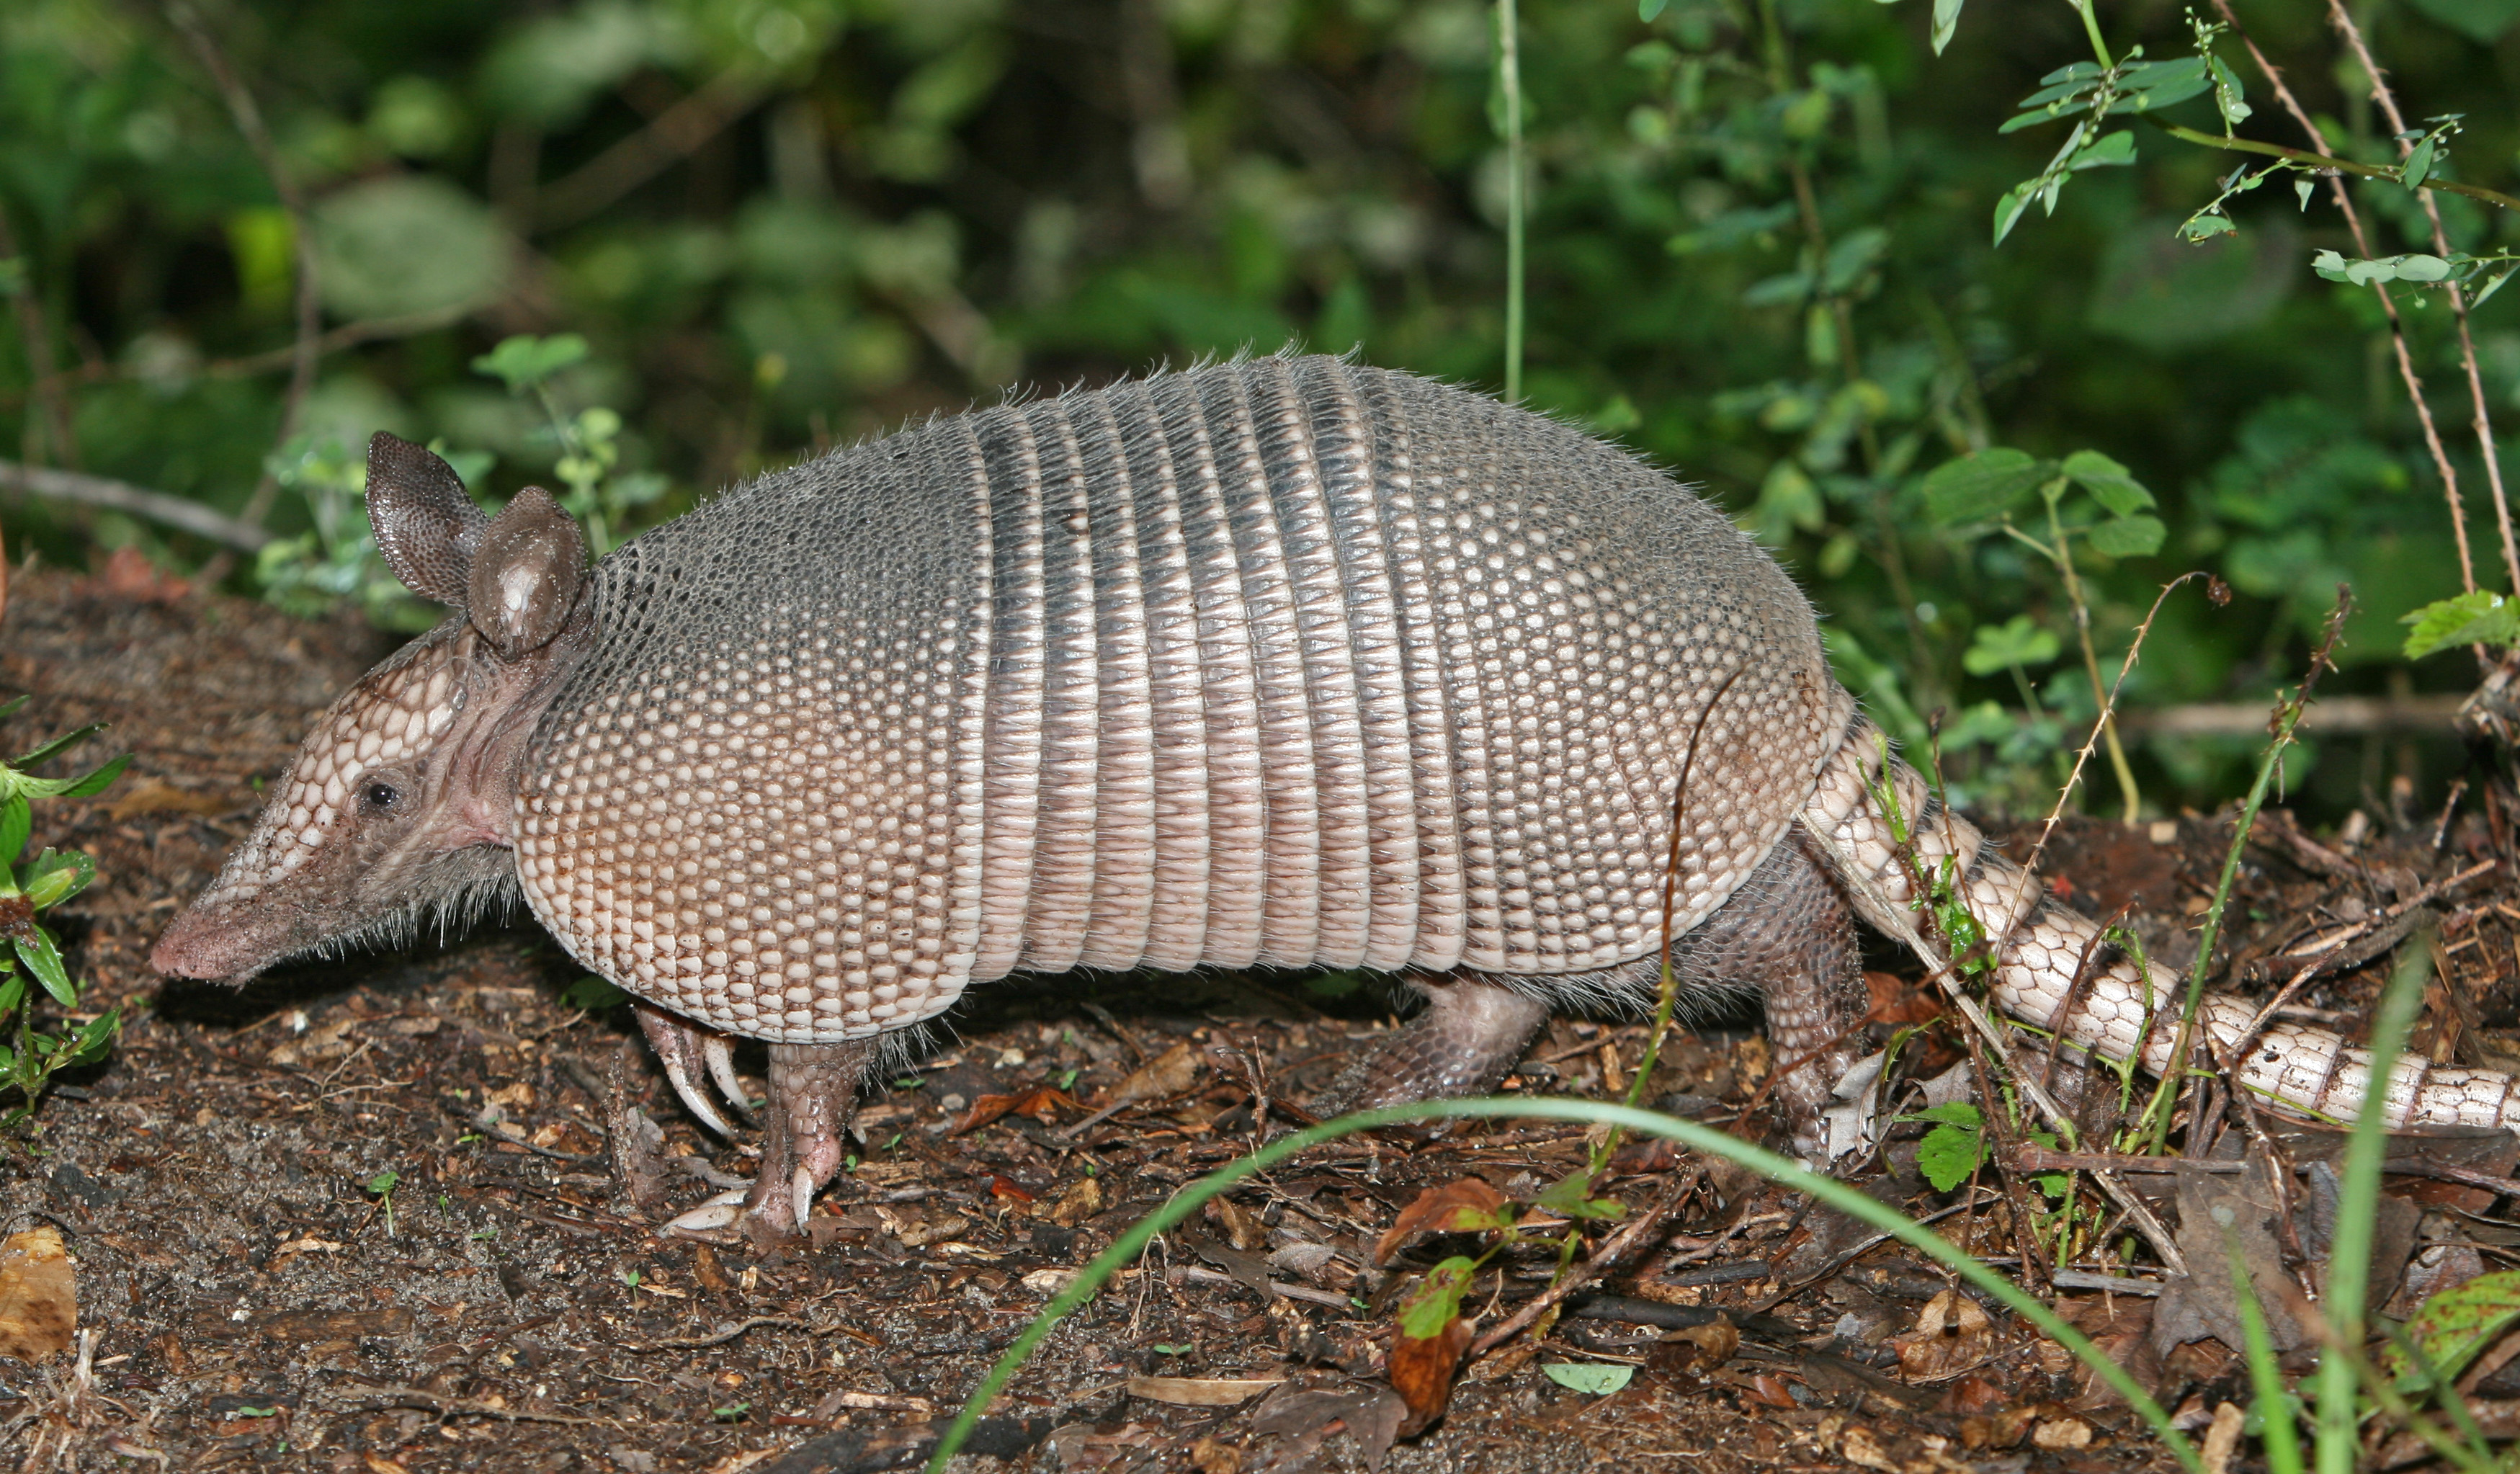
(399, 803)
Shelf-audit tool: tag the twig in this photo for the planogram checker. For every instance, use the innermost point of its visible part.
(696, 1343)
(1618, 1247)
(122, 496)
(424, 1401)
(2388, 304)
(2338, 716)
(2343, 21)
(310, 310)
(2330, 162)
(670, 135)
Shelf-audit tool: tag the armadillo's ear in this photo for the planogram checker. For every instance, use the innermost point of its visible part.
(528, 575)
(426, 526)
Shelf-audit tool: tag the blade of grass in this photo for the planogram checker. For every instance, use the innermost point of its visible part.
(2275, 1402)
(1509, 85)
(1703, 1138)
(2349, 1272)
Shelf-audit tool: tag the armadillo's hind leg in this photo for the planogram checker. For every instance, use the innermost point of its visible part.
(813, 1094)
(1468, 1038)
(1790, 933)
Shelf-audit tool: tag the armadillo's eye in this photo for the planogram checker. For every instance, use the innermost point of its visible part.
(380, 798)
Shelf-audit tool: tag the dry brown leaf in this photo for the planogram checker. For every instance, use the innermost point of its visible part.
(1951, 1332)
(155, 795)
(1077, 1204)
(1168, 1074)
(2062, 1433)
(1422, 1373)
(38, 1295)
(2223, 1439)
(1861, 1449)
(1041, 1102)
(1200, 1392)
(1462, 1205)
(129, 574)
(1243, 1227)
(1709, 1346)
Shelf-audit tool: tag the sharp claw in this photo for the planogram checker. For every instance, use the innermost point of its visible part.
(719, 1212)
(696, 1100)
(804, 1193)
(721, 1067)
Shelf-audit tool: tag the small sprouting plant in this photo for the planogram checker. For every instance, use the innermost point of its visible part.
(599, 493)
(337, 558)
(30, 1057)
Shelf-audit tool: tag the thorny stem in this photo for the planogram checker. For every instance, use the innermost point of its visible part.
(2287, 717)
(2382, 94)
(2063, 555)
(2388, 304)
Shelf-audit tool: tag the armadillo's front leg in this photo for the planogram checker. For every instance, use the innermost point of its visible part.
(813, 1094)
(687, 1051)
(1469, 1037)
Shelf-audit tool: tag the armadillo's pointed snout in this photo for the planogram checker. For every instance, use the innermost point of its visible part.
(214, 942)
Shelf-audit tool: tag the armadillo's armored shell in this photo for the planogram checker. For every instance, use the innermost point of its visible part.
(1286, 661)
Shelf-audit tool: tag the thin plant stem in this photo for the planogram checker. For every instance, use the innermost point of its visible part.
(1509, 85)
(2349, 1268)
(2092, 28)
(2387, 98)
(2330, 162)
(2063, 556)
(2414, 381)
(2287, 718)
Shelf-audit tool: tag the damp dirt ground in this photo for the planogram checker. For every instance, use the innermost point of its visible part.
(358, 1215)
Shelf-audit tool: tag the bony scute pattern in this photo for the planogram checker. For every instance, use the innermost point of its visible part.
(1288, 661)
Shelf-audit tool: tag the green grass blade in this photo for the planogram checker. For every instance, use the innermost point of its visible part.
(2274, 1403)
(1703, 1138)
(2349, 1274)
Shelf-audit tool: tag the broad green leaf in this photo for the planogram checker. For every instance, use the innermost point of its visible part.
(592, 994)
(90, 1043)
(1950, 1155)
(2202, 228)
(396, 244)
(55, 877)
(2108, 483)
(1779, 290)
(2418, 165)
(58, 745)
(36, 949)
(1591, 1379)
(525, 360)
(1648, 10)
(1981, 487)
(2137, 536)
(2227, 96)
(2158, 84)
(1946, 19)
(2017, 641)
(2010, 210)
(2108, 148)
(12, 989)
(2419, 267)
(17, 821)
(1567, 1198)
(1436, 1302)
(2453, 1327)
(2481, 617)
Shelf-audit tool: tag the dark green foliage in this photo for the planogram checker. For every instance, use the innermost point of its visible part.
(638, 249)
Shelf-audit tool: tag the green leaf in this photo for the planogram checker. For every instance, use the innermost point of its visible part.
(2137, 536)
(525, 360)
(1648, 10)
(1335, 984)
(2151, 86)
(1981, 487)
(2227, 96)
(2419, 267)
(1436, 1302)
(12, 989)
(1946, 19)
(36, 949)
(2418, 165)
(14, 704)
(2200, 229)
(2010, 210)
(2108, 148)
(75, 788)
(90, 1044)
(1950, 1155)
(2480, 617)
(2456, 1325)
(58, 745)
(1591, 1379)
(2017, 641)
(383, 1183)
(17, 821)
(1566, 1197)
(55, 877)
(592, 995)
(2108, 483)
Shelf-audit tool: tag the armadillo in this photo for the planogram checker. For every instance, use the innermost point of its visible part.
(1288, 661)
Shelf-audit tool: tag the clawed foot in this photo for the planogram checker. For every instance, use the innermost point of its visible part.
(813, 1094)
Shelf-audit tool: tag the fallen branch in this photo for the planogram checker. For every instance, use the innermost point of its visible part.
(122, 496)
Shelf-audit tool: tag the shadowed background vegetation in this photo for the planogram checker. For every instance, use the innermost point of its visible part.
(1758, 253)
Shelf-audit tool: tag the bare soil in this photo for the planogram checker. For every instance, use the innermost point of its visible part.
(358, 1215)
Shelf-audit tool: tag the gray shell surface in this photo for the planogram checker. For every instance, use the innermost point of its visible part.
(1287, 661)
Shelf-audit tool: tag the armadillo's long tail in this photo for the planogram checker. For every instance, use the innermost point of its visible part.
(2117, 1016)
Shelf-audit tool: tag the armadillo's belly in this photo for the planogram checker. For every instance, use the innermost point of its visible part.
(1282, 662)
